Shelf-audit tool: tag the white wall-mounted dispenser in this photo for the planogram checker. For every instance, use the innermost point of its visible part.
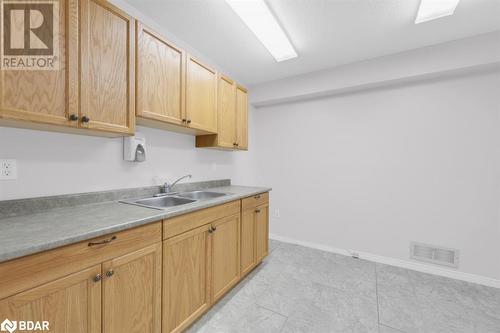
(134, 148)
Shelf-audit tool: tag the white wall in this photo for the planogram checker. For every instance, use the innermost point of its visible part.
(375, 170)
(54, 163)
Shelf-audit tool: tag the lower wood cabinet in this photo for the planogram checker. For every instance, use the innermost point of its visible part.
(254, 231)
(248, 255)
(261, 232)
(131, 297)
(110, 284)
(186, 278)
(225, 255)
(70, 304)
(122, 295)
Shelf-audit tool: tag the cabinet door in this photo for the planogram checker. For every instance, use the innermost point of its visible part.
(226, 112)
(160, 78)
(46, 96)
(225, 255)
(107, 68)
(186, 277)
(247, 241)
(262, 231)
(132, 292)
(201, 97)
(242, 117)
(71, 304)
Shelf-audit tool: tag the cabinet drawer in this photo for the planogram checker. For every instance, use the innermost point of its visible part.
(27, 272)
(254, 201)
(183, 223)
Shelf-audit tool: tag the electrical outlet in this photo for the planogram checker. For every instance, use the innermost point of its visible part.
(277, 213)
(8, 169)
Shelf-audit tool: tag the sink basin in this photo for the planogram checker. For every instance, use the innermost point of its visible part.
(201, 195)
(164, 202)
(169, 200)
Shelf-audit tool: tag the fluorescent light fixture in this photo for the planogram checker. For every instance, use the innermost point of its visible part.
(263, 24)
(434, 9)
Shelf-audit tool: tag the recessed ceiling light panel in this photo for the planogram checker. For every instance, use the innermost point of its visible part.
(258, 17)
(434, 9)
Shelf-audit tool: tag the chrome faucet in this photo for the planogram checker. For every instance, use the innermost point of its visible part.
(167, 187)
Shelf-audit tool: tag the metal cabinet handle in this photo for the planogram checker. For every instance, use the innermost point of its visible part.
(97, 278)
(73, 117)
(110, 273)
(184, 120)
(104, 241)
(85, 119)
(257, 196)
(257, 211)
(210, 231)
(189, 121)
(214, 228)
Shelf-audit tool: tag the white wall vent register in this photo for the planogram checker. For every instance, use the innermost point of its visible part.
(434, 255)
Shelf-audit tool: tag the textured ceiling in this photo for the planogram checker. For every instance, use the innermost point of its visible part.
(325, 33)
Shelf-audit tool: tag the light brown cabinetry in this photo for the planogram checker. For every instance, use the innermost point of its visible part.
(200, 262)
(107, 75)
(225, 255)
(261, 232)
(121, 291)
(93, 90)
(254, 231)
(160, 79)
(232, 118)
(241, 118)
(174, 91)
(201, 96)
(69, 304)
(186, 278)
(248, 260)
(132, 291)
(29, 98)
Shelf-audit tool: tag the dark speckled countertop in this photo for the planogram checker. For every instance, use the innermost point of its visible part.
(36, 232)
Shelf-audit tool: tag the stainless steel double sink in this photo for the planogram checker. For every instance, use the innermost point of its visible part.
(168, 200)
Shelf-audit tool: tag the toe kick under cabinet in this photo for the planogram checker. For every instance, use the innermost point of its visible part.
(155, 278)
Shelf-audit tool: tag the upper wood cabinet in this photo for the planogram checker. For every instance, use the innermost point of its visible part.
(70, 304)
(30, 98)
(241, 118)
(132, 292)
(201, 96)
(160, 79)
(107, 76)
(226, 113)
(232, 118)
(93, 90)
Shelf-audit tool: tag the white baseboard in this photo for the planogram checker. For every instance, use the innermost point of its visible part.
(416, 266)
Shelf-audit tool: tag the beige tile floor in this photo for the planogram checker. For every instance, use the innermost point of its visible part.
(298, 289)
